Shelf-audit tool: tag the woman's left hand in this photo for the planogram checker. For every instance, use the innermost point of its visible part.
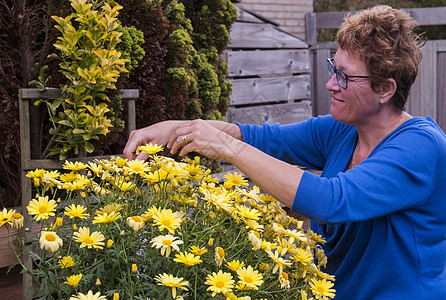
(199, 136)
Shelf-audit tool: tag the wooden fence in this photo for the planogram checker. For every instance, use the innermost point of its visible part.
(270, 72)
(428, 94)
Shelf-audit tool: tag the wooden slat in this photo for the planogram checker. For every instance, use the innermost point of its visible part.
(320, 95)
(255, 35)
(422, 97)
(269, 89)
(244, 16)
(52, 164)
(254, 63)
(441, 90)
(285, 113)
(53, 93)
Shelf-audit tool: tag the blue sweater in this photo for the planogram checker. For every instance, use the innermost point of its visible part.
(384, 220)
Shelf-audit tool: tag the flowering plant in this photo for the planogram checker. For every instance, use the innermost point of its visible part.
(161, 229)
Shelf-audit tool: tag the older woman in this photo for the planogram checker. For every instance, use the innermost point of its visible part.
(380, 202)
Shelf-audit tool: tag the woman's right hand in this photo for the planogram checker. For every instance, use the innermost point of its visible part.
(158, 133)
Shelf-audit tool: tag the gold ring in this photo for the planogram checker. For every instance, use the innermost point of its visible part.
(184, 139)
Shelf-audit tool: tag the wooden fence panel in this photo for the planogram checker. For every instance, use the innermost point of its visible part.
(283, 113)
(269, 89)
(441, 84)
(267, 62)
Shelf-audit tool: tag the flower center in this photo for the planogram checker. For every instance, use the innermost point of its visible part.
(88, 241)
(166, 223)
(42, 210)
(248, 280)
(17, 216)
(219, 284)
(137, 219)
(50, 237)
(167, 242)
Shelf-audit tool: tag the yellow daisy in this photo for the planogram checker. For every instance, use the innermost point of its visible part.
(219, 255)
(6, 216)
(284, 281)
(303, 256)
(166, 243)
(249, 279)
(109, 208)
(17, 220)
(220, 282)
(79, 184)
(41, 207)
(166, 219)
(106, 218)
(66, 262)
(280, 263)
(86, 239)
(88, 296)
(73, 280)
(322, 289)
(76, 211)
(136, 167)
(172, 282)
(149, 213)
(68, 177)
(135, 222)
(150, 148)
(50, 241)
(155, 177)
(234, 265)
(75, 167)
(188, 259)
(36, 175)
(197, 250)
(235, 179)
(254, 238)
(248, 213)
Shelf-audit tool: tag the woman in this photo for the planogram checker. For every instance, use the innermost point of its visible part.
(380, 201)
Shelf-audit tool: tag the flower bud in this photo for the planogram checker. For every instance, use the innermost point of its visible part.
(109, 244)
(98, 282)
(116, 296)
(134, 268)
(211, 242)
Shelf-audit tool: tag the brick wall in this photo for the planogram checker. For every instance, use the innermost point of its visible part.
(290, 14)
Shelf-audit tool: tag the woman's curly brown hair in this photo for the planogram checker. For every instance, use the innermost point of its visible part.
(385, 38)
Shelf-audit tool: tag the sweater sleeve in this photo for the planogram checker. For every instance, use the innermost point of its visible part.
(398, 174)
(305, 144)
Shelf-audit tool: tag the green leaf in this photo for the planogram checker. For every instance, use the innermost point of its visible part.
(88, 147)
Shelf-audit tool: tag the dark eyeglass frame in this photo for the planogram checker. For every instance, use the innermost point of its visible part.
(339, 73)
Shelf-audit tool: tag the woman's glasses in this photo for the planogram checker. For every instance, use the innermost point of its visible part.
(341, 77)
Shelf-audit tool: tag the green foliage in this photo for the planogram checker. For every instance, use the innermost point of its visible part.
(92, 65)
(130, 46)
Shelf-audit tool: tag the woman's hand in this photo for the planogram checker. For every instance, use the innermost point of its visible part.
(159, 133)
(202, 137)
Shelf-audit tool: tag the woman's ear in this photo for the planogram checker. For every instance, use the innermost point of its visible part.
(388, 89)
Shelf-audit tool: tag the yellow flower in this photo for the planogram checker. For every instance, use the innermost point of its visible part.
(221, 200)
(234, 265)
(134, 268)
(42, 208)
(98, 282)
(75, 167)
(68, 177)
(166, 242)
(59, 221)
(211, 242)
(263, 266)
(249, 279)
(79, 184)
(248, 213)
(120, 162)
(254, 238)
(17, 220)
(166, 219)
(109, 244)
(220, 282)
(76, 211)
(322, 289)
(66, 262)
(115, 296)
(219, 255)
(135, 222)
(50, 241)
(284, 281)
(6, 216)
(149, 213)
(172, 282)
(136, 167)
(36, 175)
(235, 179)
(88, 296)
(94, 240)
(73, 280)
(188, 259)
(150, 148)
(109, 208)
(280, 263)
(303, 256)
(317, 237)
(197, 250)
(106, 218)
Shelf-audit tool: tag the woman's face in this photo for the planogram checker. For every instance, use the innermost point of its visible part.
(358, 101)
